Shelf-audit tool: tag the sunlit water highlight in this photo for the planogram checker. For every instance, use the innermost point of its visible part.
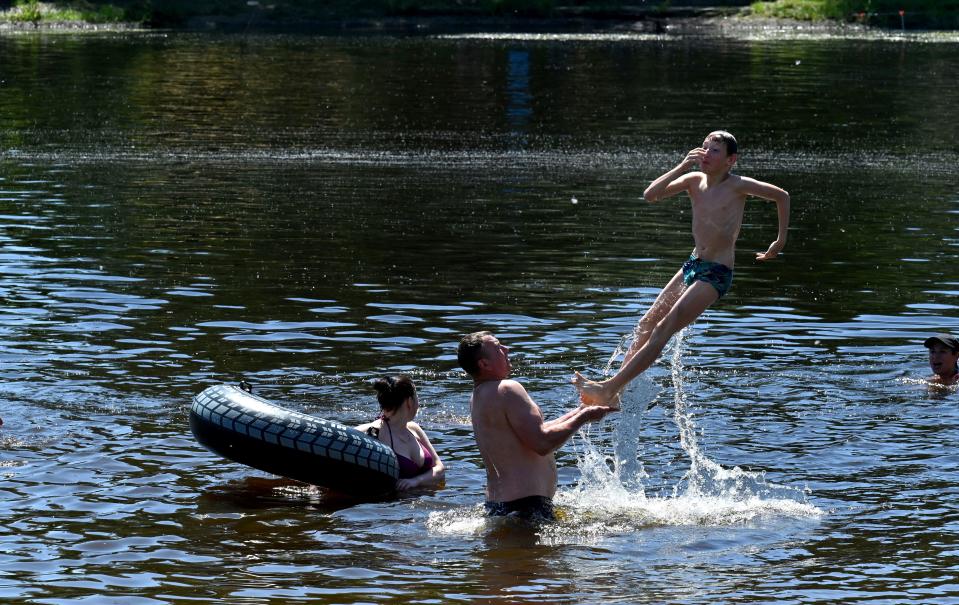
(737, 29)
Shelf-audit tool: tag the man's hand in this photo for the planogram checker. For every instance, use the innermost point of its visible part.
(774, 249)
(592, 413)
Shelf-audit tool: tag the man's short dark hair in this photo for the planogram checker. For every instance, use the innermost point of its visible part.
(470, 351)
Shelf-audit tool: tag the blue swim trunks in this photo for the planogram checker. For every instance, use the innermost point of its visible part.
(716, 275)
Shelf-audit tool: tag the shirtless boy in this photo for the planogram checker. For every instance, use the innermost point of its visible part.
(718, 200)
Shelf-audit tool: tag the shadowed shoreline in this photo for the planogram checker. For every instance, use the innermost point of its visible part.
(453, 25)
(679, 21)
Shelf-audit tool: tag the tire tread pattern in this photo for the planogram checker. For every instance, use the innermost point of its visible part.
(222, 410)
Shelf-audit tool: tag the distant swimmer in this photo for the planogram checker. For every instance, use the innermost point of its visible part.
(718, 201)
(943, 359)
(517, 445)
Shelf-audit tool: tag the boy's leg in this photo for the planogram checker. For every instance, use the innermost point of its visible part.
(694, 300)
(661, 306)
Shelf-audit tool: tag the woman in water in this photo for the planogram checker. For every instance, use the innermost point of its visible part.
(419, 463)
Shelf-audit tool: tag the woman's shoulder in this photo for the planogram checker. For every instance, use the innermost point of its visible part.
(416, 429)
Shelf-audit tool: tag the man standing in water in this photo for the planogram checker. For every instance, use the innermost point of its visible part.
(516, 443)
(943, 359)
(718, 201)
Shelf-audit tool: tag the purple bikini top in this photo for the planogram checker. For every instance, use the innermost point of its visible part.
(408, 468)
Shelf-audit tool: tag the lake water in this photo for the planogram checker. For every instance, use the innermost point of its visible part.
(310, 212)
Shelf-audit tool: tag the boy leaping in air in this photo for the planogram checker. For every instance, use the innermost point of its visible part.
(719, 198)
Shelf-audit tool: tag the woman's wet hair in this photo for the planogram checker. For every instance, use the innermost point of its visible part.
(392, 391)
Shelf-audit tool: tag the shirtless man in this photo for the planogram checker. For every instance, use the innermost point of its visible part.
(718, 201)
(516, 443)
(943, 357)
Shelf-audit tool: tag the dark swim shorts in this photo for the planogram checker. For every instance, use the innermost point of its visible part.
(530, 508)
(716, 275)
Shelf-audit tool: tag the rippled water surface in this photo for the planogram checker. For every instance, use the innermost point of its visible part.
(308, 213)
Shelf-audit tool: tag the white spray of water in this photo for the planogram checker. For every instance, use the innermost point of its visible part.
(612, 487)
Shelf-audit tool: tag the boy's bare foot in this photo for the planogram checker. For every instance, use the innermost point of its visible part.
(595, 393)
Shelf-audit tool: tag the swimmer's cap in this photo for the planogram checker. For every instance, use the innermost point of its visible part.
(944, 339)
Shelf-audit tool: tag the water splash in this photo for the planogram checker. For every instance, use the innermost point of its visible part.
(611, 489)
(464, 520)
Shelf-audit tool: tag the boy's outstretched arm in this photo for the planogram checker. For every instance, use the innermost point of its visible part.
(768, 191)
(673, 182)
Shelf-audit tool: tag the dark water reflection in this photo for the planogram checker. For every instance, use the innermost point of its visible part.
(309, 212)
